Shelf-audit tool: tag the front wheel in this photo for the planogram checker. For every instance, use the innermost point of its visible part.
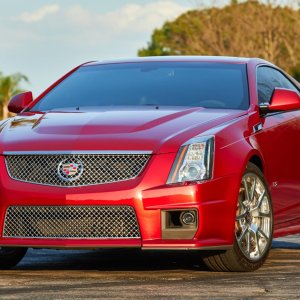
(253, 227)
(10, 257)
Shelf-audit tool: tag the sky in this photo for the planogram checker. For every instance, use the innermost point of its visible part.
(44, 39)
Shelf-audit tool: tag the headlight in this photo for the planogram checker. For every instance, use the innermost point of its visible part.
(193, 161)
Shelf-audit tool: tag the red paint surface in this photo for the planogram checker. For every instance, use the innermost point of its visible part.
(162, 132)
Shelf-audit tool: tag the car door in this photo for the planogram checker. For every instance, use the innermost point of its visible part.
(279, 143)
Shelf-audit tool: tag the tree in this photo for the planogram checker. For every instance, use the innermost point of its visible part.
(249, 29)
(9, 86)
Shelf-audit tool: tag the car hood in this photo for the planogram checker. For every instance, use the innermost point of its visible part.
(149, 129)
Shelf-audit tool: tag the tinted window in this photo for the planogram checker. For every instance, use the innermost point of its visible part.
(267, 80)
(152, 83)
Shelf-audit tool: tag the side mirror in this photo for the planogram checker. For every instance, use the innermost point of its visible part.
(282, 100)
(18, 102)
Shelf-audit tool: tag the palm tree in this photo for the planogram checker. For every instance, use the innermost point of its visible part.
(9, 86)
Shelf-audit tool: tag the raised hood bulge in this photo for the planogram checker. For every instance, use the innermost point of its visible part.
(156, 130)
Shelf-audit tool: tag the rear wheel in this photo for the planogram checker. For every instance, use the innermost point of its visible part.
(10, 257)
(253, 227)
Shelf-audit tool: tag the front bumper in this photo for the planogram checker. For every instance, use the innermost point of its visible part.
(214, 200)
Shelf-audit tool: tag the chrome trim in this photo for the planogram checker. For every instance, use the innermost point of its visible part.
(81, 152)
(66, 178)
(257, 127)
(198, 139)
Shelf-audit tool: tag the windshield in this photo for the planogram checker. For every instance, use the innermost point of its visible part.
(209, 85)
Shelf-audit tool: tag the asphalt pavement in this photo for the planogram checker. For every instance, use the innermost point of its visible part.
(133, 274)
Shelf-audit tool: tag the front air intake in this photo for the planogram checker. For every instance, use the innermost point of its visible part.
(84, 222)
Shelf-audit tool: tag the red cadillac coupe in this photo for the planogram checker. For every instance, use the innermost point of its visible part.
(198, 153)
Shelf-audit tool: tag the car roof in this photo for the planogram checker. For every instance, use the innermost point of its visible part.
(220, 59)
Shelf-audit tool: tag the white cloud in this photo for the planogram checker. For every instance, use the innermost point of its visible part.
(78, 15)
(130, 17)
(143, 17)
(39, 14)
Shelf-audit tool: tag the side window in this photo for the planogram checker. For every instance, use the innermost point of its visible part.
(267, 80)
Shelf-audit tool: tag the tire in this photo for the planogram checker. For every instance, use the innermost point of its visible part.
(10, 257)
(253, 232)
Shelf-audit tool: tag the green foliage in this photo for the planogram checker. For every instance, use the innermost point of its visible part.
(296, 72)
(249, 29)
(9, 86)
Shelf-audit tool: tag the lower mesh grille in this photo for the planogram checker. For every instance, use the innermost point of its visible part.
(71, 222)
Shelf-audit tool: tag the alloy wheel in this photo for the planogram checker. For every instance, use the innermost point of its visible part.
(253, 227)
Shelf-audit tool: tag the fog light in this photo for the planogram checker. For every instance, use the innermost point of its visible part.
(188, 218)
(179, 224)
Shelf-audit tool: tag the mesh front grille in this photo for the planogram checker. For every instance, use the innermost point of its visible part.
(87, 222)
(75, 169)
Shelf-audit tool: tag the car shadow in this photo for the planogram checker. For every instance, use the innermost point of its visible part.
(122, 259)
(111, 260)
